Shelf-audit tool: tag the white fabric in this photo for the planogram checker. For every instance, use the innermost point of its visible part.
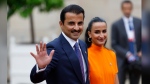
(130, 33)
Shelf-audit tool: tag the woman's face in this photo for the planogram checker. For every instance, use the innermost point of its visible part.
(98, 33)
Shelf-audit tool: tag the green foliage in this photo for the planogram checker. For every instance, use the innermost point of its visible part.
(2, 3)
(25, 7)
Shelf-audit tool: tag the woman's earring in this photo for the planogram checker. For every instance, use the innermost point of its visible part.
(89, 40)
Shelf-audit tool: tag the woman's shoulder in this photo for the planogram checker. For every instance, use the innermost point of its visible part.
(112, 55)
(112, 52)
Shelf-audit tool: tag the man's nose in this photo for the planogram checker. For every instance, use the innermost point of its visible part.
(76, 27)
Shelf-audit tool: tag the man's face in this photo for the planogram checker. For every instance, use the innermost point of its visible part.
(127, 9)
(73, 25)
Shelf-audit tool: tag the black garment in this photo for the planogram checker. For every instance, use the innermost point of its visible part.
(119, 42)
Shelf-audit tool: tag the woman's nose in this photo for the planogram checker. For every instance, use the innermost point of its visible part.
(101, 35)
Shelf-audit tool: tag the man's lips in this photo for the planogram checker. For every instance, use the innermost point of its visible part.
(76, 33)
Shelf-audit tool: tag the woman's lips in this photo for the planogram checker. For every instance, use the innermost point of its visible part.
(101, 40)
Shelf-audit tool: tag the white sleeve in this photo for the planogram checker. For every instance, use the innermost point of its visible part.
(39, 70)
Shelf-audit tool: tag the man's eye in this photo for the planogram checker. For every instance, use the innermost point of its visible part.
(71, 23)
(80, 23)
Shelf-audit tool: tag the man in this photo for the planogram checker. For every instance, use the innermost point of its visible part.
(126, 41)
(67, 62)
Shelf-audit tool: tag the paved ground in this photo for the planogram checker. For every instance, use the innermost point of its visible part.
(21, 63)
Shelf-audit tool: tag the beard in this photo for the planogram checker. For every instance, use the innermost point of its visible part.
(75, 31)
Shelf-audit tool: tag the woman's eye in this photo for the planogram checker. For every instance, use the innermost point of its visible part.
(104, 31)
(97, 32)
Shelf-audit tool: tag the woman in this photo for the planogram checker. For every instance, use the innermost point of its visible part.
(102, 61)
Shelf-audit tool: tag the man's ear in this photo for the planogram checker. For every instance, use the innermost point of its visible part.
(89, 33)
(61, 24)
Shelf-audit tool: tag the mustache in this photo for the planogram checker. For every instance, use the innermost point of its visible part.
(75, 31)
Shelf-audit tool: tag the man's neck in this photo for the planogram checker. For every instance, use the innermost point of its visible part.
(127, 16)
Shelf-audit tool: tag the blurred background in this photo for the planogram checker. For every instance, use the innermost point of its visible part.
(3, 42)
(29, 22)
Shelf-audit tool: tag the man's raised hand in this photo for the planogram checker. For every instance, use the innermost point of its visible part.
(42, 58)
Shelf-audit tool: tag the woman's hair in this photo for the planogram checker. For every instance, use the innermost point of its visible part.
(95, 19)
